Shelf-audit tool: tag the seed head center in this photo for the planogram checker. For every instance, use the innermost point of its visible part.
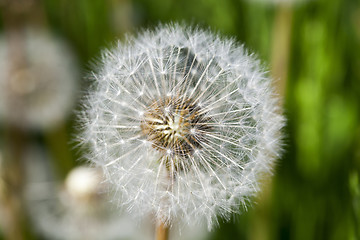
(174, 126)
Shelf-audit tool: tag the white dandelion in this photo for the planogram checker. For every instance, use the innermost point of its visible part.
(184, 124)
(39, 93)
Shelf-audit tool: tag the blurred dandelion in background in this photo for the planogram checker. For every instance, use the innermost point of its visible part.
(184, 124)
(38, 88)
(78, 207)
(39, 93)
(74, 209)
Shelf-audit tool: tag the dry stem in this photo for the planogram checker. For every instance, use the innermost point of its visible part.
(162, 231)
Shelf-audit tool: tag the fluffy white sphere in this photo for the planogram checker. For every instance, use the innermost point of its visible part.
(39, 93)
(82, 184)
(183, 123)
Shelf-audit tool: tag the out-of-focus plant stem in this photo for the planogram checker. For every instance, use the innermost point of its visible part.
(12, 174)
(281, 39)
(121, 16)
(57, 142)
(15, 144)
(16, 138)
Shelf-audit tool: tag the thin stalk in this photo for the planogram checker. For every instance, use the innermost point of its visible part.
(12, 175)
(16, 139)
(281, 47)
(15, 144)
(281, 39)
(57, 142)
(162, 231)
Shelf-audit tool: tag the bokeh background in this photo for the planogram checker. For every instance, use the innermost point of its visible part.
(312, 50)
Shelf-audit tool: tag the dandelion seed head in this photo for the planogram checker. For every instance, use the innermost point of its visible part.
(83, 184)
(208, 132)
(39, 93)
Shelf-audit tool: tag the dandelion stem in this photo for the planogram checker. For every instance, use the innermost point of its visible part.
(162, 231)
(11, 202)
(12, 175)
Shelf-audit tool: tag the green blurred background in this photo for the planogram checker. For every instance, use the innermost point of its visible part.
(313, 51)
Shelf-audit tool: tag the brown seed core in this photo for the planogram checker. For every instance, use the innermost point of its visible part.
(174, 126)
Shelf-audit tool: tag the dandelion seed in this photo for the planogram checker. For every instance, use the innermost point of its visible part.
(210, 126)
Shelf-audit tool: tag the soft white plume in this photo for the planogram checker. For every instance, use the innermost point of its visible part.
(183, 122)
